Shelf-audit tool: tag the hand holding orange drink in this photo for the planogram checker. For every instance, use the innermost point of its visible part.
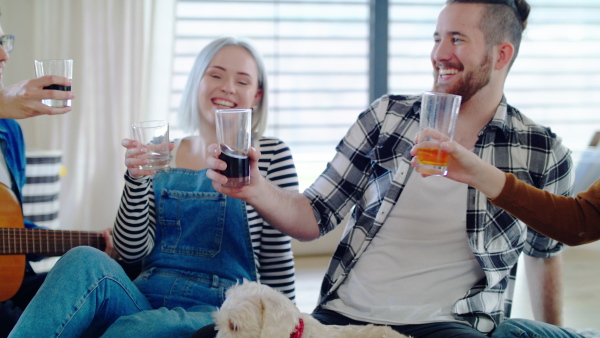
(439, 112)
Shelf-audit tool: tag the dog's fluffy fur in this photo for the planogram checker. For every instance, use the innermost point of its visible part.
(253, 310)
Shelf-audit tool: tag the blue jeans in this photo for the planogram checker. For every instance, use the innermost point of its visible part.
(93, 292)
(430, 330)
(104, 299)
(162, 322)
(525, 328)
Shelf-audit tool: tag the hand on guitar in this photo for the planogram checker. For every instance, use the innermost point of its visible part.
(109, 249)
(16, 241)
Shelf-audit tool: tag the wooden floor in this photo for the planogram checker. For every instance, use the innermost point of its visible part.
(581, 286)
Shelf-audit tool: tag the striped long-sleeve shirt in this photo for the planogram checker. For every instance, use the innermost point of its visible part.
(135, 223)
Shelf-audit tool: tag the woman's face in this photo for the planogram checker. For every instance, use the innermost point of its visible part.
(230, 81)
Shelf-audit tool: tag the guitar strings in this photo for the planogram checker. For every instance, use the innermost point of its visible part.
(40, 241)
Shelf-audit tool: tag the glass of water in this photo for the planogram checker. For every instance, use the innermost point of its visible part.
(154, 136)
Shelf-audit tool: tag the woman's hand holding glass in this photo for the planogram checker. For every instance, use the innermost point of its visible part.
(132, 162)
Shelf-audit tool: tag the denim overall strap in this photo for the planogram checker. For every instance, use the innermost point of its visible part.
(202, 242)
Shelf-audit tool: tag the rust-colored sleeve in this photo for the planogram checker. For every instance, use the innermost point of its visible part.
(571, 220)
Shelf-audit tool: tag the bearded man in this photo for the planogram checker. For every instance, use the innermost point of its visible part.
(430, 257)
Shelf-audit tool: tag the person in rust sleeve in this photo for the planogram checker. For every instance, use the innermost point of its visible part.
(570, 220)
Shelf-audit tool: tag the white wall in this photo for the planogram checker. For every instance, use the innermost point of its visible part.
(17, 19)
(120, 63)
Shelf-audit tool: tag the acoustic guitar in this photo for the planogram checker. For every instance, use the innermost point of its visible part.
(16, 241)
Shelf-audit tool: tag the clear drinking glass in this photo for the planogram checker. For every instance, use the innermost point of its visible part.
(439, 111)
(234, 136)
(55, 67)
(154, 136)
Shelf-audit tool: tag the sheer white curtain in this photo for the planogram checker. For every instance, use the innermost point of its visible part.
(119, 68)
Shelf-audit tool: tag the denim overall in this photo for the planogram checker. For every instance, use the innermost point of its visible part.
(203, 247)
(203, 243)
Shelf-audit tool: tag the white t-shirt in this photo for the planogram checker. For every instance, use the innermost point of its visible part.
(419, 263)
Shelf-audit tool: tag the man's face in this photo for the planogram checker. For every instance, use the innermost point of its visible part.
(462, 63)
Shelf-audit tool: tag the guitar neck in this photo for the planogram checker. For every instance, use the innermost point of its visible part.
(20, 241)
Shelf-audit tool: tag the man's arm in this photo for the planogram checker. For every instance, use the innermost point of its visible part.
(24, 99)
(544, 278)
(288, 211)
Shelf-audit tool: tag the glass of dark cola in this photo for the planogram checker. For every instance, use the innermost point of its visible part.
(234, 137)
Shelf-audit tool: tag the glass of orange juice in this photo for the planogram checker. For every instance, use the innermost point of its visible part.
(439, 111)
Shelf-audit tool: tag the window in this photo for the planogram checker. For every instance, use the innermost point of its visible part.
(317, 56)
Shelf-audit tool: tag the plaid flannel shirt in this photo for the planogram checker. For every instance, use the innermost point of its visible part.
(372, 166)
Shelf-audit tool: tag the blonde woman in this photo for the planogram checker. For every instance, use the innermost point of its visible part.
(195, 243)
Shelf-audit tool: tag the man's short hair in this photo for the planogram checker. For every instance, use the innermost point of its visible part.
(502, 20)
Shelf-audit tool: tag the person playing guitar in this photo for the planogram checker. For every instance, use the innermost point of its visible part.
(18, 281)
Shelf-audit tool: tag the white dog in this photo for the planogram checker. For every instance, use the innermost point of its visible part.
(253, 310)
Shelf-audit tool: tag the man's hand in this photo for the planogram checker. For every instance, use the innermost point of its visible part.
(288, 211)
(248, 193)
(24, 99)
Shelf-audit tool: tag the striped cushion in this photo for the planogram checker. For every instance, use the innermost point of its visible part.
(40, 193)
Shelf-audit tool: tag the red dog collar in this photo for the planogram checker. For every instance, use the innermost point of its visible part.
(299, 330)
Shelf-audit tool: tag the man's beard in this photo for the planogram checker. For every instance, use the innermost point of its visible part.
(471, 83)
